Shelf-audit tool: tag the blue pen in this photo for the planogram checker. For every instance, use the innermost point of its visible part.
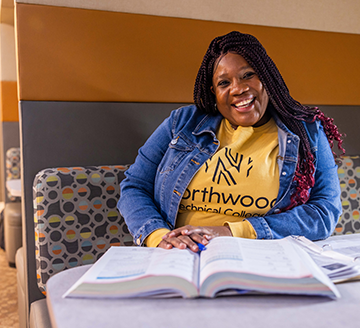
(201, 247)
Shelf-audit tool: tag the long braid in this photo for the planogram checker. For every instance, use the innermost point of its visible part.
(290, 111)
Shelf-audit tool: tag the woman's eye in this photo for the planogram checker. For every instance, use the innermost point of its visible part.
(223, 83)
(249, 75)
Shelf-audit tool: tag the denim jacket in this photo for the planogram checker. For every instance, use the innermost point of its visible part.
(165, 165)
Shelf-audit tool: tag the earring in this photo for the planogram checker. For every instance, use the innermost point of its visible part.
(215, 108)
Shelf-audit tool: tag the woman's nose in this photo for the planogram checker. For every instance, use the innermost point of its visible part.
(239, 87)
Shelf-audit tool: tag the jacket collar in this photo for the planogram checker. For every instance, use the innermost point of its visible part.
(209, 123)
(279, 123)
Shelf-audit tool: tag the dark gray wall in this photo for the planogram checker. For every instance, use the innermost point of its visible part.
(347, 119)
(57, 134)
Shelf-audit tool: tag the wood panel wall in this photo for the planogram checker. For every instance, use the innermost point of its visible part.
(88, 55)
(9, 101)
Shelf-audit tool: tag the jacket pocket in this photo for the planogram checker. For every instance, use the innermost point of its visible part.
(177, 150)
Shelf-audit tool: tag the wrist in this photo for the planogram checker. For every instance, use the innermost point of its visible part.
(228, 230)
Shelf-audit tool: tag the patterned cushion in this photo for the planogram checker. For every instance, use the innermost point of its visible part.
(349, 175)
(76, 219)
(13, 168)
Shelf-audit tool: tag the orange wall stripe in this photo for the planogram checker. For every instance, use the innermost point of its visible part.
(87, 55)
(9, 101)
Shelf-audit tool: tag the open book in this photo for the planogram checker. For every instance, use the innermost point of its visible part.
(338, 256)
(228, 266)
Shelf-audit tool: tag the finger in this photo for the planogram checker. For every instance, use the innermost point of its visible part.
(183, 242)
(198, 230)
(164, 244)
(198, 238)
(179, 231)
(176, 242)
(198, 234)
(184, 232)
(190, 243)
(165, 236)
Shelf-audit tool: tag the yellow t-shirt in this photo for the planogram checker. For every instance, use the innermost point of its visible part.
(240, 181)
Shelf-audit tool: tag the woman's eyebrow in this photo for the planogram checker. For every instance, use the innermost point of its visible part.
(246, 67)
(220, 76)
(243, 68)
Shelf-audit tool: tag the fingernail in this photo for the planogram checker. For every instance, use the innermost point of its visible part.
(195, 248)
(204, 242)
(184, 232)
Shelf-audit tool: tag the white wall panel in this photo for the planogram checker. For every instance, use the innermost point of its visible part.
(322, 15)
(7, 53)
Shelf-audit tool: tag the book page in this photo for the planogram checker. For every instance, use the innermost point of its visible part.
(124, 263)
(272, 258)
(337, 256)
(344, 244)
(128, 263)
(131, 262)
(175, 262)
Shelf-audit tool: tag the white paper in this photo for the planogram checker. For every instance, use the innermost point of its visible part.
(272, 258)
(335, 255)
(127, 263)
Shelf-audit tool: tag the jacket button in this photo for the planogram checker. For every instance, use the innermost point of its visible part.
(174, 141)
(289, 141)
(138, 241)
(277, 211)
(284, 173)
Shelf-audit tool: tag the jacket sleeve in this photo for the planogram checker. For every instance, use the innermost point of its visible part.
(317, 218)
(137, 204)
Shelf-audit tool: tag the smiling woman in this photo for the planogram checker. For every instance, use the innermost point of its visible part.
(245, 147)
(240, 96)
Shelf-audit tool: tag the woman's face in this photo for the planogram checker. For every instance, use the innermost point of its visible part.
(240, 96)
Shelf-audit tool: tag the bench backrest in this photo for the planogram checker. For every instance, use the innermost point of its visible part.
(349, 176)
(76, 219)
(13, 170)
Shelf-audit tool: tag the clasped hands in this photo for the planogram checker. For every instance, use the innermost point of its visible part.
(188, 236)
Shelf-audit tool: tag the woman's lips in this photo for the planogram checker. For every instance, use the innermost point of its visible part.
(244, 104)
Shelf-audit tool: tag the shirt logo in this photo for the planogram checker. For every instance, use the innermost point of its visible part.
(222, 173)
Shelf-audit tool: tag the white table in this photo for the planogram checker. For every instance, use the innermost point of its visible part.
(280, 311)
(14, 187)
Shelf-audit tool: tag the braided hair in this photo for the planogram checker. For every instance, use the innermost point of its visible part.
(290, 111)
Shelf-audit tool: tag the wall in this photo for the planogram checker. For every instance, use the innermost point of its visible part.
(321, 15)
(9, 114)
(8, 67)
(130, 57)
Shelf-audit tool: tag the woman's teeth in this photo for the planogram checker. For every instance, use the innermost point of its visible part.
(243, 103)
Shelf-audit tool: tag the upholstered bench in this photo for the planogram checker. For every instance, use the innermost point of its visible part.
(76, 219)
(12, 210)
(349, 176)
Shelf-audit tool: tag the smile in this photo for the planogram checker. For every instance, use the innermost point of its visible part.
(244, 103)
